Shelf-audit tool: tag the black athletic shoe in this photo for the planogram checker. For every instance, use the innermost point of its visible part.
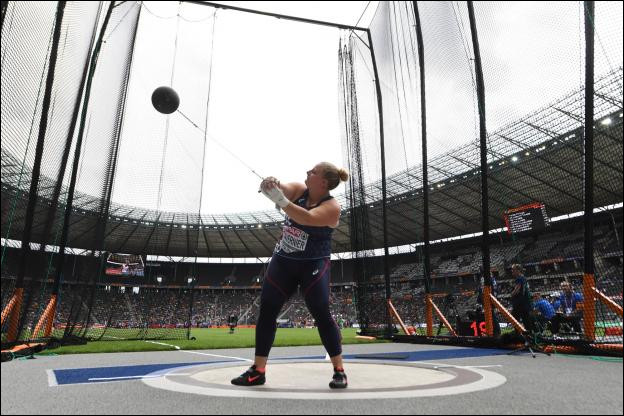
(251, 377)
(339, 381)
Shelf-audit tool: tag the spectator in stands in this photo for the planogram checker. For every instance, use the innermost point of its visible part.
(543, 311)
(521, 298)
(567, 308)
(301, 258)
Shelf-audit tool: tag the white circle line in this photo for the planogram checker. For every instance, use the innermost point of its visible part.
(488, 380)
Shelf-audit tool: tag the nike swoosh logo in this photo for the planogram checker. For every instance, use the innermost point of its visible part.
(314, 272)
(252, 379)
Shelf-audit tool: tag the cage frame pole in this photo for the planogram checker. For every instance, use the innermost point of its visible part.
(485, 208)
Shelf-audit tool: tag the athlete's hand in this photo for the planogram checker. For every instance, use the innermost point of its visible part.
(268, 183)
(275, 194)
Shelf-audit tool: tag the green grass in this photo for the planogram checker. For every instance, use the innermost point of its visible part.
(213, 339)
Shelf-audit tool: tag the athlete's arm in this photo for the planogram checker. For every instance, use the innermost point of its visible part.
(291, 190)
(325, 215)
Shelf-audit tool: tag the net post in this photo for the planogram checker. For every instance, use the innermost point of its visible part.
(487, 310)
(485, 210)
(429, 309)
(589, 281)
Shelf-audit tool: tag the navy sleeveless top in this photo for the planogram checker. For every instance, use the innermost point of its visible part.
(304, 242)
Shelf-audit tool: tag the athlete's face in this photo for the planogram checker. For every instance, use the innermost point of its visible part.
(315, 180)
(565, 286)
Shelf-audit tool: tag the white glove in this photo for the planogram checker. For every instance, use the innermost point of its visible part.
(267, 182)
(276, 195)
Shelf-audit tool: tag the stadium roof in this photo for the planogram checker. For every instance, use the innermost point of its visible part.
(537, 158)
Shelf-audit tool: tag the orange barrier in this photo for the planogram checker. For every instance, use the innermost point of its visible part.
(613, 331)
(394, 313)
(565, 349)
(12, 313)
(589, 306)
(569, 349)
(442, 318)
(429, 311)
(610, 304)
(608, 347)
(519, 327)
(23, 349)
(8, 309)
(46, 320)
(487, 310)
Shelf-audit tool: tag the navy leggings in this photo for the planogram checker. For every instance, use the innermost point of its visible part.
(280, 282)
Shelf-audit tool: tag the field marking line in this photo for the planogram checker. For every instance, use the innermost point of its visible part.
(134, 377)
(200, 353)
(162, 343)
(52, 382)
(218, 356)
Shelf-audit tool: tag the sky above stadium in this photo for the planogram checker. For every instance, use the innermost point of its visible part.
(273, 94)
(273, 101)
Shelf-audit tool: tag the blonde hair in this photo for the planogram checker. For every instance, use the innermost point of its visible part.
(517, 267)
(333, 175)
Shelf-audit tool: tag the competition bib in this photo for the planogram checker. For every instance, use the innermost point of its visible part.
(293, 240)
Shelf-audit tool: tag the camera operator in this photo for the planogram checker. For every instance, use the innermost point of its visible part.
(521, 302)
